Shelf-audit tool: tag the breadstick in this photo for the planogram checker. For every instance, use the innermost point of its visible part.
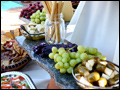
(48, 6)
(56, 26)
(62, 4)
(54, 37)
(53, 9)
(45, 6)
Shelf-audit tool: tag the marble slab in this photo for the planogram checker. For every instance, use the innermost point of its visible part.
(64, 81)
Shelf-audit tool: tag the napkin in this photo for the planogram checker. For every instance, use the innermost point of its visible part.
(97, 25)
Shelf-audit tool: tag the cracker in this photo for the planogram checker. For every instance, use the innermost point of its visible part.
(17, 32)
(8, 34)
(4, 39)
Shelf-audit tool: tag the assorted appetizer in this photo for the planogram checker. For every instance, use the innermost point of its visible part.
(17, 82)
(96, 72)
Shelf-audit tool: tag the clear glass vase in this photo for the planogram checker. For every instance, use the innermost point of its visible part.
(54, 29)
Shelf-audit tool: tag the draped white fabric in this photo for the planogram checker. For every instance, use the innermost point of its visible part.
(97, 25)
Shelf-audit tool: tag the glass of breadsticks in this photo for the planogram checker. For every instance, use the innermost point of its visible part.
(54, 24)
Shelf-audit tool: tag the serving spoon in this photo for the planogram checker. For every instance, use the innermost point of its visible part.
(25, 29)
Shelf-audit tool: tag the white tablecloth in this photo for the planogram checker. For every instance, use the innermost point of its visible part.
(40, 77)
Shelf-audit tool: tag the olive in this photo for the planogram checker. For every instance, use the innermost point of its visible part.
(111, 66)
(97, 59)
(100, 67)
(116, 77)
(83, 71)
(94, 76)
(77, 68)
(102, 82)
(84, 61)
(111, 82)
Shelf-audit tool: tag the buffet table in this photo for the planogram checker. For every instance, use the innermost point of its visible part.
(63, 81)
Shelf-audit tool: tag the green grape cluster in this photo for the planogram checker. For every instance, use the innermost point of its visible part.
(38, 17)
(66, 60)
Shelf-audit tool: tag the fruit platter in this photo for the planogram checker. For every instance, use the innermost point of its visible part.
(36, 12)
(12, 56)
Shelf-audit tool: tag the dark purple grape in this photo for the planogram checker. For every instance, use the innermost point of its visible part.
(43, 49)
(38, 2)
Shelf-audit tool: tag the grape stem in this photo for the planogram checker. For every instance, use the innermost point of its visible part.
(68, 49)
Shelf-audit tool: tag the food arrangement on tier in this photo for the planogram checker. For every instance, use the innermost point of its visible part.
(66, 56)
(16, 80)
(32, 8)
(88, 66)
(12, 56)
(96, 72)
(33, 31)
(36, 12)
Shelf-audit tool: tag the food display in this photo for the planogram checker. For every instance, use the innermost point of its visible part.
(11, 54)
(36, 31)
(32, 8)
(63, 56)
(96, 72)
(16, 80)
(67, 55)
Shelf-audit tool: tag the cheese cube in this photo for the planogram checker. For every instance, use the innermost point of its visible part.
(84, 81)
(112, 75)
(108, 71)
(116, 72)
(105, 76)
(88, 66)
(91, 62)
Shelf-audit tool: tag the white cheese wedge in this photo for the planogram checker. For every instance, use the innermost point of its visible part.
(84, 81)
(105, 76)
(100, 83)
(108, 71)
(112, 75)
(91, 62)
(116, 72)
(88, 66)
(40, 28)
